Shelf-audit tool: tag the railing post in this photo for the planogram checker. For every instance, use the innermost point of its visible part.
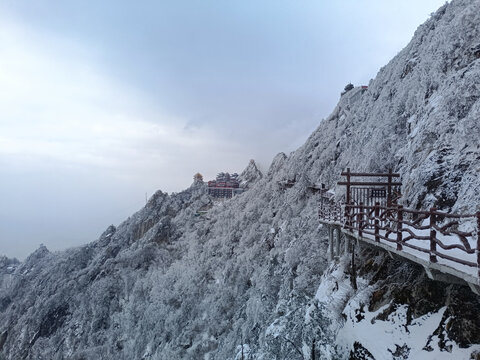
(478, 245)
(347, 215)
(347, 195)
(399, 227)
(360, 219)
(389, 188)
(347, 201)
(433, 236)
(377, 221)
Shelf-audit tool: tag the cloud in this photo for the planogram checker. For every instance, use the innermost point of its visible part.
(55, 105)
(79, 149)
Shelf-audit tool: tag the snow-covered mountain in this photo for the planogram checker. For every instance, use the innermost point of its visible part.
(250, 278)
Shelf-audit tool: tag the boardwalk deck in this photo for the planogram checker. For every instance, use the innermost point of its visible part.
(446, 245)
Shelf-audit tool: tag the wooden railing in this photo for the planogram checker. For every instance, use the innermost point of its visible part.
(331, 211)
(432, 232)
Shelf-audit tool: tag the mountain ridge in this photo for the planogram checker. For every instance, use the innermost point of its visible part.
(167, 284)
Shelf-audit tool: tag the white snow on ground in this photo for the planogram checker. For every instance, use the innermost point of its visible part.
(382, 338)
(335, 292)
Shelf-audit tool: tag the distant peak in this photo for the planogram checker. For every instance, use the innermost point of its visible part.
(251, 174)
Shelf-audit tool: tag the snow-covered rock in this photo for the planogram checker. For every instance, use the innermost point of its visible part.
(250, 175)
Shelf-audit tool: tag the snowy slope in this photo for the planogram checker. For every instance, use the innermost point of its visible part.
(419, 116)
(251, 274)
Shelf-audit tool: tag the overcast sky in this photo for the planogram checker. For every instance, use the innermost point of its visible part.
(104, 101)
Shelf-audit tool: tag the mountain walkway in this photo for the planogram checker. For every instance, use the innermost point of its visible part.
(446, 245)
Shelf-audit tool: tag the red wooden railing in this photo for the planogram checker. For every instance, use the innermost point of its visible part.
(410, 228)
(331, 211)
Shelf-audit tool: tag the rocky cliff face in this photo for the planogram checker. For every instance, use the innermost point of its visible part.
(419, 116)
(250, 276)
